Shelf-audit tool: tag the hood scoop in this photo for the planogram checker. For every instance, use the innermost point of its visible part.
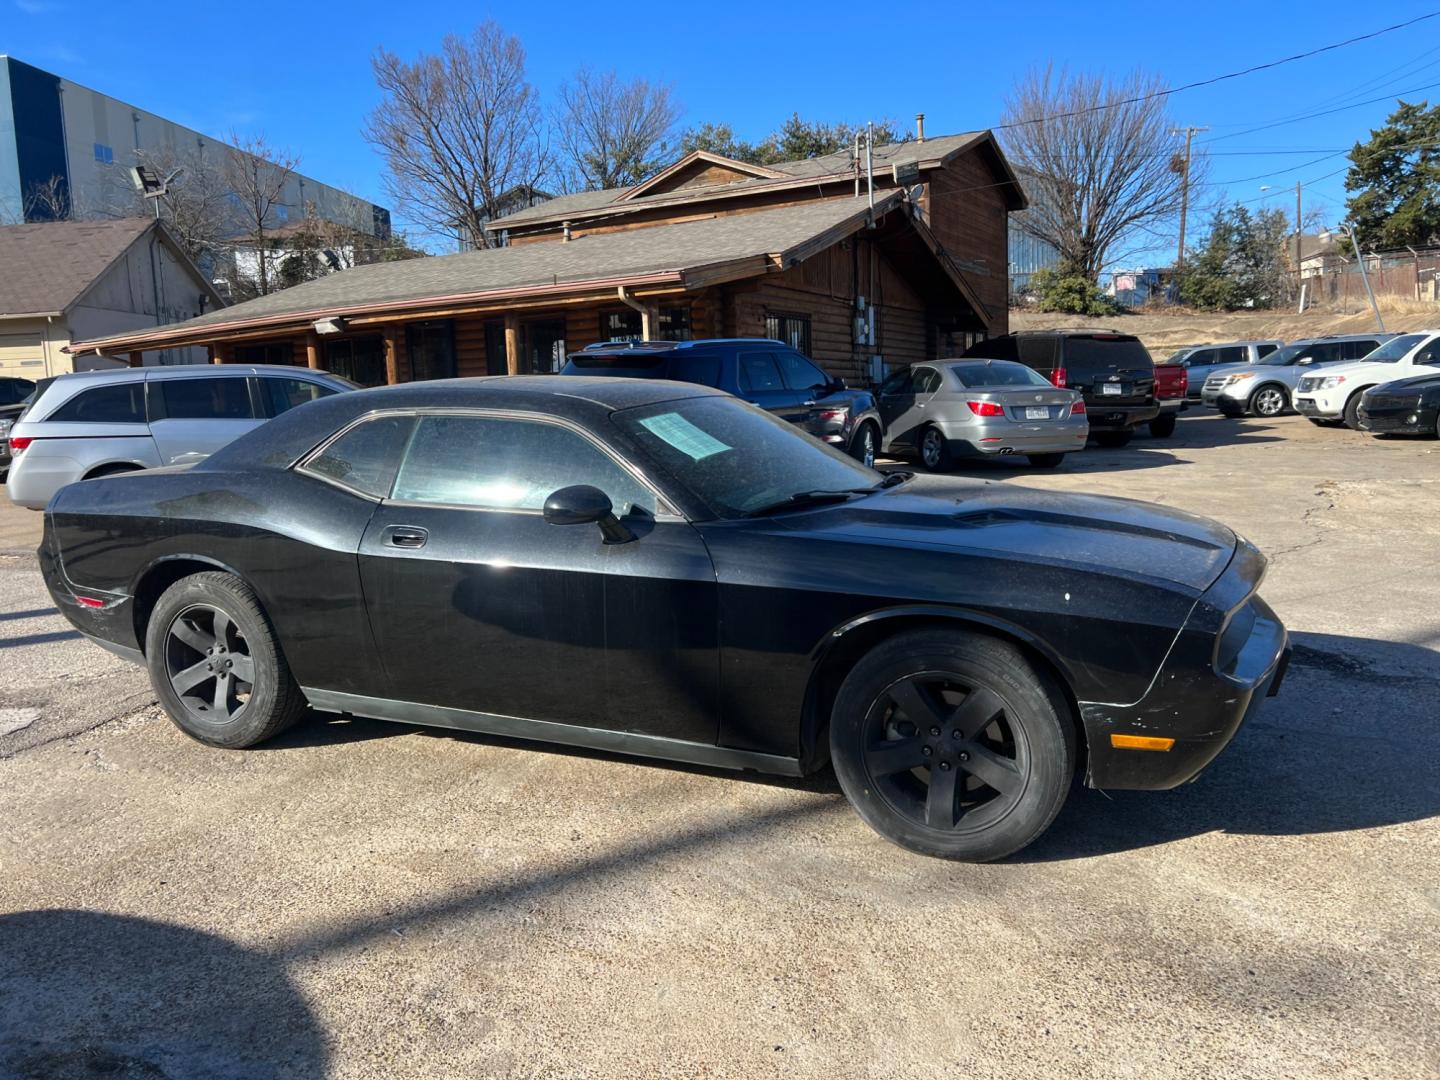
(989, 517)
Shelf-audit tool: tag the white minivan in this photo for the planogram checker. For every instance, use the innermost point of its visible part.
(1333, 396)
(98, 423)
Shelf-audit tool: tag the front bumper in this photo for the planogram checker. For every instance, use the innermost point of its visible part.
(1322, 403)
(1230, 656)
(1413, 419)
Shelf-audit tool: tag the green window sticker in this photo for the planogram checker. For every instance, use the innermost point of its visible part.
(684, 436)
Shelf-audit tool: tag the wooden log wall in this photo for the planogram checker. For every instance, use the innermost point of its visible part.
(967, 214)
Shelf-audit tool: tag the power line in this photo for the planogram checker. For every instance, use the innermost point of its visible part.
(1221, 78)
(1325, 112)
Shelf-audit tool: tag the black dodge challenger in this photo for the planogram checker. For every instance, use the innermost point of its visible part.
(659, 569)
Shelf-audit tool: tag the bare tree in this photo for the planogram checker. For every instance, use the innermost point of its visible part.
(1098, 160)
(257, 174)
(48, 200)
(458, 130)
(614, 134)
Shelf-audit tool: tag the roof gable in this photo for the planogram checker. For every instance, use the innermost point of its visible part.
(698, 169)
(46, 267)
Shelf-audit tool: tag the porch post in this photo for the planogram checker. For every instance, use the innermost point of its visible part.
(392, 355)
(512, 344)
(221, 352)
(312, 350)
(137, 359)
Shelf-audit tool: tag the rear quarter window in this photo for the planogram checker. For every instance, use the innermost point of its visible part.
(367, 457)
(702, 369)
(122, 403)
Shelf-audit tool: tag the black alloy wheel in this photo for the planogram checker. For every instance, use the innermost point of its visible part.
(216, 665)
(934, 451)
(1268, 401)
(863, 446)
(951, 744)
(208, 662)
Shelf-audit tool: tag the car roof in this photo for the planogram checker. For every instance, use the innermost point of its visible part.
(185, 371)
(1072, 331)
(652, 347)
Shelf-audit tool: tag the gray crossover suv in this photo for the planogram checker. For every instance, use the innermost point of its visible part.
(97, 423)
(1266, 387)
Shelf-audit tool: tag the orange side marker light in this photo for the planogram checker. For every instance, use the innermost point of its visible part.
(1140, 742)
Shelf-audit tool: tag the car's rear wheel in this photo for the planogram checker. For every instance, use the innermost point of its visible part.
(864, 445)
(1046, 461)
(216, 665)
(1114, 439)
(934, 450)
(1269, 401)
(1320, 421)
(952, 744)
(1163, 426)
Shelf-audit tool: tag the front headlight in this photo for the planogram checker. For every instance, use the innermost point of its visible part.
(1239, 377)
(1329, 382)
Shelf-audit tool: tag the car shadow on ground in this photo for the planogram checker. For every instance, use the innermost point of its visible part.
(1350, 743)
(94, 994)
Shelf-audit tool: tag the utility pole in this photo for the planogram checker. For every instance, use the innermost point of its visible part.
(1189, 133)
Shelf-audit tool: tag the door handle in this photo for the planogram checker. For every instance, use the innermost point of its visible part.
(408, 537)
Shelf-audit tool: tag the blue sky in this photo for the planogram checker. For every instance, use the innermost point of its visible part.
(300, 73)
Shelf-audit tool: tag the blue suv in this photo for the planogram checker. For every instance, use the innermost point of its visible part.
(764, 372)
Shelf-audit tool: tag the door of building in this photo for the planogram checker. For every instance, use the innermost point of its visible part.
(543, 345)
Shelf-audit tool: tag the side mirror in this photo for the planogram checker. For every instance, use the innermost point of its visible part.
(582, 504)
(1305, 361)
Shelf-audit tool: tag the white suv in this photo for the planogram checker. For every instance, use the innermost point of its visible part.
(1333, 396)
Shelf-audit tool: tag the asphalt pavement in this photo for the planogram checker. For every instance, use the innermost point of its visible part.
(370, 900)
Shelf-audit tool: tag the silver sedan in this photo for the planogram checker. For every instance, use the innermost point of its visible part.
(946, 409)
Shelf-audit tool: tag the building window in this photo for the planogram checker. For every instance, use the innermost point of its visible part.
(430, 347)
(104, 154)
(267, 352)
(627, 325)
(793, 330)
(361, 360)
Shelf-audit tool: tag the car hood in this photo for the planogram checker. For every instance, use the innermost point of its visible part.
(1352, 368)
(1414, 384)
(1136, 540)
(1231, 369)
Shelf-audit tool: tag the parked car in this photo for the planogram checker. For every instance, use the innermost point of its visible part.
(1172, 384)
(97, 423)
(1266, 387)
(1404, 407)
(762, 371)
(1200, 360)
(1333, 397)
(1113, 372)
(947, 409)
(664, 570)
(15, 394)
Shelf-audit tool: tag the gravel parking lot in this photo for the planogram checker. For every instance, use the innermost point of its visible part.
(361, 899)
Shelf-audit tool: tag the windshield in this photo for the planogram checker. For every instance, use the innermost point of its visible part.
(998, 373)
(737, 459)
(1394, 350)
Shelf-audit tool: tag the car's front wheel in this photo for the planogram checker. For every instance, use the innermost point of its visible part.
(1269, 401)
(952, 744)
(1352, 410)
(216, 665)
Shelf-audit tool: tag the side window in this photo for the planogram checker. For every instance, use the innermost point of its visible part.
(123, 403)
(1326, 352)
(1354, 350)
(1235, 354)
(1430, 354)
(896, 383)
(501, 464)
(367, 456)
(758, 372)
(801, 374)
(701, 369)
(282, 395)
(1035, 352)
(1265, 349)
(1201, 358)
(207, 399)
(926, 381)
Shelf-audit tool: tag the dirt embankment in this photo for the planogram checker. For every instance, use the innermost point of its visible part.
(1165, 332)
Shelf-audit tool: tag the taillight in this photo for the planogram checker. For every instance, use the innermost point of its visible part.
(1184, 379)
(20, 442)
(985, 408)
(1058, 377)
(834, 415)
(1078, 409)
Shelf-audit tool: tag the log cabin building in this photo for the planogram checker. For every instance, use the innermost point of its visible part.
(862, 281)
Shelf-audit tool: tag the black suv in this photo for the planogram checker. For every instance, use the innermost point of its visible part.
(14, 393)
(764, 372)
(1114, 372)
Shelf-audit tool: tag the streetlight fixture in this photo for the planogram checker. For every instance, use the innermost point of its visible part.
(1349, 230)
(150, 185)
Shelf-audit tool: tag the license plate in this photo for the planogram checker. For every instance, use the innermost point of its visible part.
(1037, 412)
(1111, 388)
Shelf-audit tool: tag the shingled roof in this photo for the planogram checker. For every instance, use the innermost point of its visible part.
(46, 267)
(685, 254)
(586, 204)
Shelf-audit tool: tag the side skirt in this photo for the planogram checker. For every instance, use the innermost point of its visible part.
(515, 727)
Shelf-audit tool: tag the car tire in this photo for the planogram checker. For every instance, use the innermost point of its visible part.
(1269, 401)
(206, 634)
(1319, 421)
(1352, 409)
(1017, 733)
(1046, 461)
(1113, 440)
(1162, 427)
(934, 450)
(865, 445)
